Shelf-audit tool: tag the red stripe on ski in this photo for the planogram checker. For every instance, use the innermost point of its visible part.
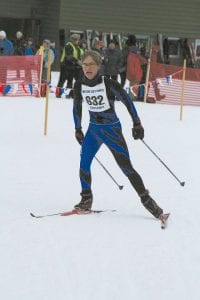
(84, 212)
(77, 212)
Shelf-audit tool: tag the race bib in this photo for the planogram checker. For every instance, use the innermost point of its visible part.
(95, 97)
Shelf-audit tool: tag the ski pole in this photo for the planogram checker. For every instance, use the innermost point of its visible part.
(119, 186)
(182, 183)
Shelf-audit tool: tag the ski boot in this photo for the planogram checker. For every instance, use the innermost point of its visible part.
(58, 92)
(43, 90)
(151, 205)
(86, 201)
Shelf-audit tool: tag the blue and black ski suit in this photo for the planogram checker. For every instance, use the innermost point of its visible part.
(104, 128)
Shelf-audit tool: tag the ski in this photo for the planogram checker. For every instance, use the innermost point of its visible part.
(84, 212)
(72, 212)
(44, 216)
(164, 218)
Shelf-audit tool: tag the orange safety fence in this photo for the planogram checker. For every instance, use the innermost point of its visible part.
(165, 84)
(20, 75)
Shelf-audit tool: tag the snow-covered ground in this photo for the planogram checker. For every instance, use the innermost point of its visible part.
(123, 255)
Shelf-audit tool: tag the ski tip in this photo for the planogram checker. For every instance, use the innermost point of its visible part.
(167, 214)
(164, 219)
(164, 216)
(35, 216)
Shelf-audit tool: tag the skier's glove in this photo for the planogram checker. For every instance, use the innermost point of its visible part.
(79, 135)
(138, 130)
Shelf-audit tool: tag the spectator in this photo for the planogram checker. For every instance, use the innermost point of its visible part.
(131, 40)
(6, 49)
(46, 51)
(99, 47)
(134, 64)
(166, 51)
(70, 68)
(6, 46)
(186, 53)
(29, 47)
(19, 44)
(53, 47)
(113, 61)
(83, 46)
(122, 69)
(155, 54)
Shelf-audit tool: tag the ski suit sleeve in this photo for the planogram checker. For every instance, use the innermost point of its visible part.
(77, 105)
(122, 95)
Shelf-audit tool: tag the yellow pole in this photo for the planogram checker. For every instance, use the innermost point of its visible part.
(182, 90)
(47, 92)
(41, 52)
(147, 80)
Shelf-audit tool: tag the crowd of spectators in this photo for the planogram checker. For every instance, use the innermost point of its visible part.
(118, 64)
(18, 46)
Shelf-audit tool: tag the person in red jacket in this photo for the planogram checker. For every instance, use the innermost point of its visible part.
(134, 69)
(135, 61)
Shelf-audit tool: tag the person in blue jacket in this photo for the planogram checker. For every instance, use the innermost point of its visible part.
(29, 47)
(6, 46)
(99, 94)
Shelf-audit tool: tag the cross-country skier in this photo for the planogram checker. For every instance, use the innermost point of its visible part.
(99, 93)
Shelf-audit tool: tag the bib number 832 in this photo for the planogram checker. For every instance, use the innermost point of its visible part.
(94, 100)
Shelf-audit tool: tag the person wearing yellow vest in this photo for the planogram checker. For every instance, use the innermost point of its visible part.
(70, 65)
(83, 47)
